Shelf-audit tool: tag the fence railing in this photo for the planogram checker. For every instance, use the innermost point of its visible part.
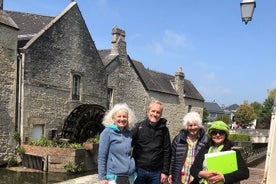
(256, 154)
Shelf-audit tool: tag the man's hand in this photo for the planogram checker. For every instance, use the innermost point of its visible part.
(163, 178)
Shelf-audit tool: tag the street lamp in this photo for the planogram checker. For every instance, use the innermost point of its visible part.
(247, 10)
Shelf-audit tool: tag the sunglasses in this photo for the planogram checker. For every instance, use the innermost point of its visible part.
(217, 132)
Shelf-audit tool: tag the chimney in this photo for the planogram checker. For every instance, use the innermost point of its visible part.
(118, 44)
(179, 81)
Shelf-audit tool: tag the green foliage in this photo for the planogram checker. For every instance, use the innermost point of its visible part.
(71, 168)
(264, 118)
(12, 162)
(44, 142)
(239, 137)
(225, 118)
(20, 150)
(95, 139)
(16, 137)
(245, 115)
(205, 116)
(50, 143)
(257, 108)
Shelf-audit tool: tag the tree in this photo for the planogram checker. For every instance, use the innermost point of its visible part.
(225, 118)
(265, 116)
(205, 116)
(245, 115)
(258, 107)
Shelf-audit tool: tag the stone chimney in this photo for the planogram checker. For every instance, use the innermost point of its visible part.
(1, 4)
(179, 81)
(118, 41)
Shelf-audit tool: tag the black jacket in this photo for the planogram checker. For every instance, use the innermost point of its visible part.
(241, 174)
(152, 146)
(179, 152)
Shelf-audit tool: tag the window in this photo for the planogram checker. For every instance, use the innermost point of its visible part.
(76, 87)
(110, 98)
(189, 108)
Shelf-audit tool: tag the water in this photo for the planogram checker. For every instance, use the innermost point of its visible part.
(15, 177)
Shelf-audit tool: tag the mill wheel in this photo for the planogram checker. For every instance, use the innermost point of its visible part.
(84, 122)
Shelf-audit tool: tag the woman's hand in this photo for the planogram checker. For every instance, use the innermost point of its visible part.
(103, 182)
(215, 177)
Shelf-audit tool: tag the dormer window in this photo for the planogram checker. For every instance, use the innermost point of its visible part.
(76, 87)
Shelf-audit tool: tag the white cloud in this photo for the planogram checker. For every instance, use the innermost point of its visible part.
(158, 48)
(174, 40)
(102, 3)
(171, 41)
(273, 84)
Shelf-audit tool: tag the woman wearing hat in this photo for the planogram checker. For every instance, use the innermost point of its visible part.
(218, 132)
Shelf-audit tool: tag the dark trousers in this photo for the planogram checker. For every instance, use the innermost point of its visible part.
(122, 180)
(147, 177)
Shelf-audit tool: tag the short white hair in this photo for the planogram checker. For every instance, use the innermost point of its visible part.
(108, 118)
(192, 117)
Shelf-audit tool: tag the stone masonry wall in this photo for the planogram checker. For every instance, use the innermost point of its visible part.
(8, 46)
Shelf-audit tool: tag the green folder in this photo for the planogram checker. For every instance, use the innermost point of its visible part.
(223, 162)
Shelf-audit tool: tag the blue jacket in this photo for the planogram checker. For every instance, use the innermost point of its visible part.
(114, 156)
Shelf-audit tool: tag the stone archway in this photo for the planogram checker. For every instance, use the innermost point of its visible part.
(84, 122)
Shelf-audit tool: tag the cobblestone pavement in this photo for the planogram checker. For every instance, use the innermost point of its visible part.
(256, 177)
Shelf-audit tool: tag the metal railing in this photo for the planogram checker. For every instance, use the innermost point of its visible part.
(256, 154)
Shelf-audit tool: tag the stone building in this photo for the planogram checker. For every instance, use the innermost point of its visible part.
(129, 81)
(55, 83)
(52, 77)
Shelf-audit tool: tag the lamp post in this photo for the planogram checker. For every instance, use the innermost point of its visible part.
(247, 10)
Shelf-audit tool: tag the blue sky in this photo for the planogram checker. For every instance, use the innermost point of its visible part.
(226, 60)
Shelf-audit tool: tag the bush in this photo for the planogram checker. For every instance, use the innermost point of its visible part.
(239, 137)
(50, 143)
(71, 168)
(95, 139)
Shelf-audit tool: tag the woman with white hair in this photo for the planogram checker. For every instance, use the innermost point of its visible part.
(115, 162)
(185, 146)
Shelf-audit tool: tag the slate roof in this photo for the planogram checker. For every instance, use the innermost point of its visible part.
(213, 107)
(29, 24)
(157, 81)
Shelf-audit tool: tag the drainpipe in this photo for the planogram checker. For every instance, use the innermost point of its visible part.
(19, 85)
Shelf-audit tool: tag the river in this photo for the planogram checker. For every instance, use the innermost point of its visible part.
(26, 176)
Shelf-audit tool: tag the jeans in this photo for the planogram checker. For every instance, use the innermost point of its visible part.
(147, 177)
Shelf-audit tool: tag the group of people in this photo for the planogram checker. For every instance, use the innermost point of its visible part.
(133, 152)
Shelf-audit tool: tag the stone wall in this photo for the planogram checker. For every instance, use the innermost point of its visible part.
(55, 158)
(8, 48)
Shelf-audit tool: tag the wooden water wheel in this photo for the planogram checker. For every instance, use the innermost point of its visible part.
(84, 122)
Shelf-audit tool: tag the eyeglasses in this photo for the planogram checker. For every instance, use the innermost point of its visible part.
(217, 132)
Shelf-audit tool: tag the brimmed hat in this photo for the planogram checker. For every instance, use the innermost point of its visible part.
(218, 125)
